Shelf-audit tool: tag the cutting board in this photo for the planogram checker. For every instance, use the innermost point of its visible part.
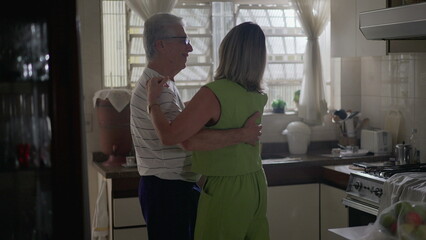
(351, 233)
(392, 121)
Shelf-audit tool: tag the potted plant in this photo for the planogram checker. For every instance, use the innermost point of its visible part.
(296, 98)
(278, 106)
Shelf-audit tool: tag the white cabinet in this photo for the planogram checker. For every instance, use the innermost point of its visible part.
(305, 211)
(333, 213)
(127, 212)
(131, 234)
(346, 38)
(127, 219)
(124, 212)
(293, 212)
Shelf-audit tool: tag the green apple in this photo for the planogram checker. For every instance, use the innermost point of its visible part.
(387, 219)
(402, 208)
(420, 232)
(421, 210)
(405, 230)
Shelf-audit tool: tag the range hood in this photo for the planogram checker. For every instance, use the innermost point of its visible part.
(402, 22)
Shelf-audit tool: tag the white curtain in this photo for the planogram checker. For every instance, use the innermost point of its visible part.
(146, 8)
(313, 16)
(100, 224)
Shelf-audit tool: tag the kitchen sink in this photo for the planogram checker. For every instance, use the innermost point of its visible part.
(273, 155)
(279, 158)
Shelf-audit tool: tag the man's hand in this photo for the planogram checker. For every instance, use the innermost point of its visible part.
(210, 139)
(252, 131)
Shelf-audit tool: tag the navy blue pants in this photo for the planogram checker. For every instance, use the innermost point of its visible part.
(169, 208)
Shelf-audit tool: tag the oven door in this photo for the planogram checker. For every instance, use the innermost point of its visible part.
(360, 213)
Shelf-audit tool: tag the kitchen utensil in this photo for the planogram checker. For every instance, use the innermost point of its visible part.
(131, 161)
(392, 121)
(341, 114)
(341, 146)
(404, 154)
(335, 152)
(349, 153)
(362, 124)
(349, 126)
(352, 115)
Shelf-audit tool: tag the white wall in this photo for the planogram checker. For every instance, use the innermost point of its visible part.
(346, 39)
(91, 67)
(347, 83)
(397, 81)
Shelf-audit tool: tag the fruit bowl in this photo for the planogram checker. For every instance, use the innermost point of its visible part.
(403, 220)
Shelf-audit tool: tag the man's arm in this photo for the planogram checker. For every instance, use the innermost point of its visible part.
(208, 139)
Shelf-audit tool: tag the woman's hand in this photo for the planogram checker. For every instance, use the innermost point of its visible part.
(155, 87)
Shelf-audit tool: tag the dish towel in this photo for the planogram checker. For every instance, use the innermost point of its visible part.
(100, 228)
(409, 186)
(119, 98)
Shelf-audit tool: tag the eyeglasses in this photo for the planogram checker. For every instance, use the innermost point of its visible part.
(186, 39)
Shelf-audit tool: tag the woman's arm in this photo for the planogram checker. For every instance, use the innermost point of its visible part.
(203, 108)
(209, 139)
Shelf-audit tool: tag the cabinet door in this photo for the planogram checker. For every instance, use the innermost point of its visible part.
(343, 28)
(293, 212)
(346, 38)
(127, 212)
(368, 47)
(139, 233)
(333, 213)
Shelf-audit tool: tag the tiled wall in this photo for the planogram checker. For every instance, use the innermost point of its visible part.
(377, 85)
(374, 86)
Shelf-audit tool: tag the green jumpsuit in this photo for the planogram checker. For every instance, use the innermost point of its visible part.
(232, 205)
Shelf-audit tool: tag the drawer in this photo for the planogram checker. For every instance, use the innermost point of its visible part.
(139, 233)
(127, 212)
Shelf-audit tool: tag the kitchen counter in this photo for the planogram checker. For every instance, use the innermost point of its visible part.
(292, 169)
(308, 183)
(312, 168)
(303, 176)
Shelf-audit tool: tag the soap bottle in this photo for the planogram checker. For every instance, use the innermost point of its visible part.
(415, 154)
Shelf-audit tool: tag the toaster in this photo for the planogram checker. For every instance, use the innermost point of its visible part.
(376, 140)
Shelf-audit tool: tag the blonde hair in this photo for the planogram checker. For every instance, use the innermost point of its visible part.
(242, 55)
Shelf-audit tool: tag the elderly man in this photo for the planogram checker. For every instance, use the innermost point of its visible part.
(168, 192)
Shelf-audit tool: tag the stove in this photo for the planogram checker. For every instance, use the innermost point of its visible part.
(365, 188)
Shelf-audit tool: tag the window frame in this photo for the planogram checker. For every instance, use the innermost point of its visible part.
(192, 85)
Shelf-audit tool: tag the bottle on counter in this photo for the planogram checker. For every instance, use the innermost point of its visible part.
(415, 151)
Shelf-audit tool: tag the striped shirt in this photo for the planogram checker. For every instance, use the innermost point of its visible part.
(154, 158)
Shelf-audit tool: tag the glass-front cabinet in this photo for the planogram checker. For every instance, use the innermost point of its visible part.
(41, 180)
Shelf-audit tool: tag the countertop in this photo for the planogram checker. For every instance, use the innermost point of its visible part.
(313, 168)
(292, 169)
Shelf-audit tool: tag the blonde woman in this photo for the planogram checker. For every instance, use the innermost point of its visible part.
(232, 204)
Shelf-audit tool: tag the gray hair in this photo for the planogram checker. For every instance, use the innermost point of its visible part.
(158, 27)
(242, 56)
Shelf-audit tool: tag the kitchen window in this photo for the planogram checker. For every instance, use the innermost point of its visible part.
(206, 25)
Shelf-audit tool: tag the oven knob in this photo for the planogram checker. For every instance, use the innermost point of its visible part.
(378, 192)
(358, 185)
